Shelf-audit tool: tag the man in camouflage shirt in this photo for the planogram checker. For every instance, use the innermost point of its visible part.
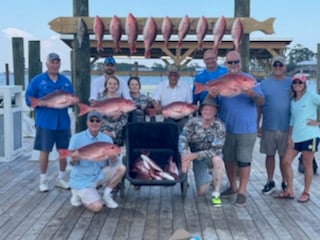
(201, 142)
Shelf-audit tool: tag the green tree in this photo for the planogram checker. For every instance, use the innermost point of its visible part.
(298, 54)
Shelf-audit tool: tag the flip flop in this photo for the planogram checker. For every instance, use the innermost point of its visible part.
(305, 197)
(284, 195)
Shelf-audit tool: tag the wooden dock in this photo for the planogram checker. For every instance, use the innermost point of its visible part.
(153, 212)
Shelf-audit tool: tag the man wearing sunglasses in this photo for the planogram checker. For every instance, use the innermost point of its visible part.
(98, 85)
(275, 120)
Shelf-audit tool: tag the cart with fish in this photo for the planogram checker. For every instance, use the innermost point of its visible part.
(152, 156)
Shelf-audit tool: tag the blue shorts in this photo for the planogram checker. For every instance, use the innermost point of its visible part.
(309, 145)
(45, 139)
(201, 171)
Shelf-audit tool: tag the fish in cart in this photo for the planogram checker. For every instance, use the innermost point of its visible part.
(115, 31)
(171, 168)
(108, 107)
(149, 35)
(229, 85)
(58, 99)
(98, 29)
(178, 110)
(97, 151)
(237, 33)
(183, 29)
(166, 29)
(131, 29)
(201, 30)
(81, 31)
(219, 30)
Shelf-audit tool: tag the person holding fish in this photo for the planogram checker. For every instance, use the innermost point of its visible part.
(90, 169)
(238, 110)
(201, 142)
(98, 84)
(211, 72)
(304, 136)
(171, 91)
(52, 120)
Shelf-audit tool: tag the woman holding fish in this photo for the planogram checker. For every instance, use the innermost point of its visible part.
(204, 136)
(50, 93)
(304, 136)
(94, 166)
(238, 103)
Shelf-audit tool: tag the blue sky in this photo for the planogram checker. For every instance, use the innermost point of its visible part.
(296, 20)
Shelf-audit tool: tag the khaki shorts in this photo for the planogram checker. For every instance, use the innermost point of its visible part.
(273, 141)
(239, 147)
(91, 194)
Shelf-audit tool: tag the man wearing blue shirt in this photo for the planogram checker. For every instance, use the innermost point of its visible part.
(52, 125)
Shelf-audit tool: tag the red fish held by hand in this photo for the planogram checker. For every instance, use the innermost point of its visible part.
(98, 29)
(149, 35)
(237, 33)
(178, 110)
(218, 32)
(115, 31)
(183, 29)
(166, 29)
(228, 85)
(201, 30)
(131, 29)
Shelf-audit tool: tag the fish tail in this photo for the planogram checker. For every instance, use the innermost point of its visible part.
(33, 102)
(199, 88)
(147, 54)
(118, 47)
(64, 153)
(83, 109)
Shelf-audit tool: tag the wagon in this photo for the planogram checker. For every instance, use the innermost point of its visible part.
(158, 140)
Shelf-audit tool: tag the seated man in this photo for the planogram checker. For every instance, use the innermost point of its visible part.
(204, 136)
(87, 175)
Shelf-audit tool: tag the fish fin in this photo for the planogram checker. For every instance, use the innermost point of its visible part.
(199, 88)
(63, 153)
(33, 102)
(83, 109)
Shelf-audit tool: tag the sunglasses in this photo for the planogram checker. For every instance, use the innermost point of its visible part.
(235, 62)
(173, 74)
(297, 82)
(92, 120)
(278, 65)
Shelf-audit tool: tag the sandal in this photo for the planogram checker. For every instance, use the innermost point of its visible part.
(284, 195)
(305, 197)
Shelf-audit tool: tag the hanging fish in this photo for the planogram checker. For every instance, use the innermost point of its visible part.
(131, 29)
(237, 33)
(81, 31)
(201, 30)
(183, 29)
(218, 31)
(166, 29)
(98, 29)
(116, 31)
(149, 35)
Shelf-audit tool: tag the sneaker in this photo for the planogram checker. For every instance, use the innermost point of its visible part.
(228, 193)
(110, 203)
(216, 200)
(62, 184)
(241, 200)
(268, 188)
(43, 186)
(75, 199)
(284, 186)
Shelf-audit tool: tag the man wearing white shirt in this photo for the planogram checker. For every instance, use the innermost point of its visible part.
(97, 85)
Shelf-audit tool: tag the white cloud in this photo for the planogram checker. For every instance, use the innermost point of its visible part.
(15, 32)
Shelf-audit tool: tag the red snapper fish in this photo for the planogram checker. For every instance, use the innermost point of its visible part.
(108, 107)
(58, 99)
(183, 29)
(178, 110)
(98, 29)
(166, 29)
(237, 33)
(201, 30)
(218, 31)
(229, 85)
(115, 31)
(149, 35)
(97, 151)
(131, 29)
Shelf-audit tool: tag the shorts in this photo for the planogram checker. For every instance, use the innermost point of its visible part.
(309, 145)
(45, 139)
(239, 147)
(90, 195)
(272, 141)
(201, 171)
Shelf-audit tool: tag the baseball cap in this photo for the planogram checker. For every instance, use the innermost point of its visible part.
(52, 56)
(173, 68)
(299, 76)
(94, 113)
(278, 59)
(109, 60)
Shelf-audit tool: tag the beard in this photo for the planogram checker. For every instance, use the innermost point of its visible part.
(109, 71)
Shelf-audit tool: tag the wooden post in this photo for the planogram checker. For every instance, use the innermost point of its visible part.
(318, 76)
(7, 74)
(80, 63)
(18, 61)
(242, 9)
(35, 64)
